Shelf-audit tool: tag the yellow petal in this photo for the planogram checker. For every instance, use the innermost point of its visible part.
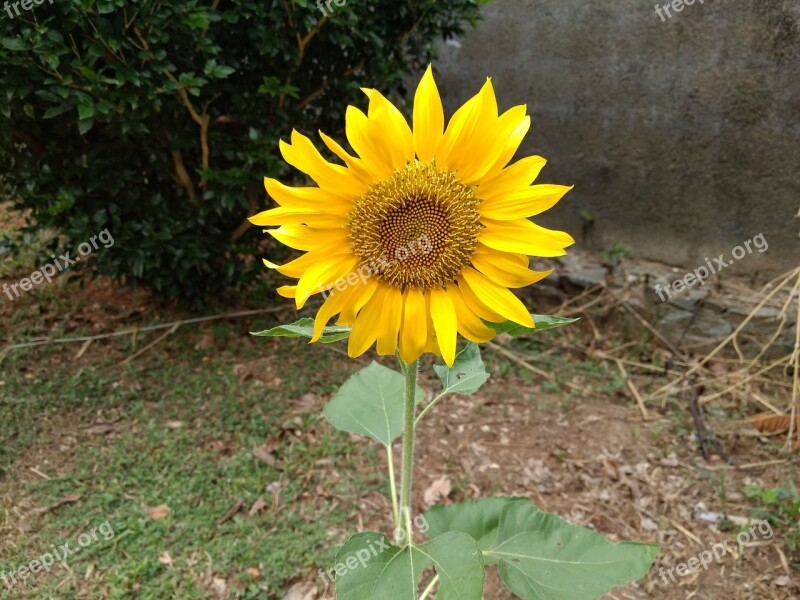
(287, 291)
(527, 202)
(294, 216)
(445, 323)
(298, 266)
(271, 265)
(300, 237)
(498, 297)
(308, 198)
(391, 321)
(450, 153)
(503, 269)
(375, 158)
(476, 305)
(334, 304)
(489, 149)
(362, 292)
(524, 237)
(519, 175)
(390, 130)
(303, 155)
(428, 117)
(469, 324)
(322, 275)
(365, 329)
(294, 268)
(510, 131)
(414, 331)
(355, 165)
(431, 343)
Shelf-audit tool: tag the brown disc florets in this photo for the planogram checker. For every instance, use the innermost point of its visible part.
(417, 228)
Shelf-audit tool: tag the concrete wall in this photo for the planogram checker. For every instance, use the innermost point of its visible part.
(682, 137)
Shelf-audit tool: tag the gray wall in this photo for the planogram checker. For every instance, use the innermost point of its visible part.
(681, 137)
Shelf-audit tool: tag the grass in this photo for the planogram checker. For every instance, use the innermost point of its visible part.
(187, 426)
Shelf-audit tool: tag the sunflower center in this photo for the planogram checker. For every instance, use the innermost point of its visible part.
(417, 228)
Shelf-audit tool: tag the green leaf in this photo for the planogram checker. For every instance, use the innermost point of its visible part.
(480, 520)
(88, 73)
(467, 375)
(85, 126)
(370, 568)
(218, 71)
(104, 8)
(371, 403)
(305, 328)
(222, 71)
(85, 111)
(53, 61)
(458, 562)
(54, 111)
(104, 107)
(15, 44)
(198, 20)
(540, 556)
(543, 323)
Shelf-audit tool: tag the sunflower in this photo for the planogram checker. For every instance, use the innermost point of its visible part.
(420, 234)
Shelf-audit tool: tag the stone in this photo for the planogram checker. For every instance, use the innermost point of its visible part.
(688, 300)
(588, 278)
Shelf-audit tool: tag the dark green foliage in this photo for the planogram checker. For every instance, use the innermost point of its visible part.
(103, 100)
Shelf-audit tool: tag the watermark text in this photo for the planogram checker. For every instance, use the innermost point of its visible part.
(700, 274)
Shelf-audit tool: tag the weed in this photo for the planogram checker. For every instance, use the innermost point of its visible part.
(781, 507)
(614, 255)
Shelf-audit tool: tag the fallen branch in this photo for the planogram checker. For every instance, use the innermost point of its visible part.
(136, 330)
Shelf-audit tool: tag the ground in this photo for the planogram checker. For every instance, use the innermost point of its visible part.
(205, 468)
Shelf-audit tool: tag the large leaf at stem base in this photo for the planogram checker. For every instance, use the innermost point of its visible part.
(371, 403)
(370, 568)
(480, 520)
(539, 555)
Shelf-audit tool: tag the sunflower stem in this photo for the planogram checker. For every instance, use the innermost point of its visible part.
(411, 371)
(393, 486)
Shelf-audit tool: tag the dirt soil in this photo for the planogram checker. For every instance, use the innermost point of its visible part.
(600, 465)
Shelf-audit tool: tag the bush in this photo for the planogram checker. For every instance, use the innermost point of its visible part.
(158, 120)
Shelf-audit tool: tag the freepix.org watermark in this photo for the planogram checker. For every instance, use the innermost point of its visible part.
(700, 274)
(717, 551)
(57, 554)
(328, 4)
(676, 5)
(419, 247)
(60, 264)
(25, 4)
(361, 557)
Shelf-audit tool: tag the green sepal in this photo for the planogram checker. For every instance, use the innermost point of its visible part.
(305, 328)
(543, 323)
